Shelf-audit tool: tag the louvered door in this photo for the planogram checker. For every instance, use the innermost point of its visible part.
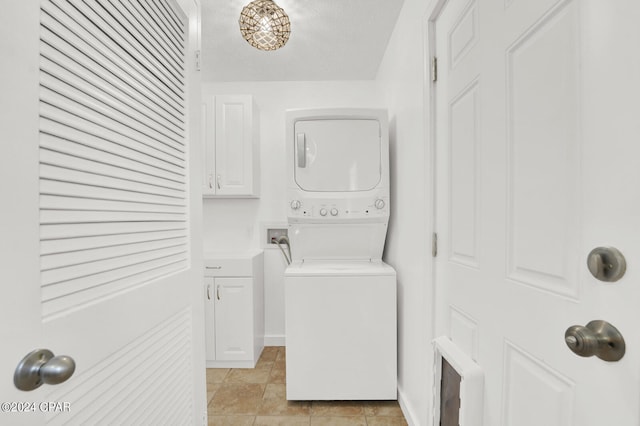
(117, 269)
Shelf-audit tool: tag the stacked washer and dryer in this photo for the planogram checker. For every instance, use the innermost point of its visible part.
(340, 297)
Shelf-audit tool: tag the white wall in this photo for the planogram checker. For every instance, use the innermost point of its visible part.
(401, 82)
(235, 224)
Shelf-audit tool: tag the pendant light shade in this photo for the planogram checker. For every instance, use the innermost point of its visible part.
(264, 25)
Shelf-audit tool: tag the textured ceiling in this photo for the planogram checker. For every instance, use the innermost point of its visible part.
(330, 40)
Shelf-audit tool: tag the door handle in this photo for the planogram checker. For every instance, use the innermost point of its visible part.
(40, 367)
(210, 181)
(218, 181)
(301, 144)
(208, 294)
(218, 292)
(598, 338)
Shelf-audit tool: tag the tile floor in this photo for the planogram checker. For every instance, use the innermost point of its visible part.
(256, 396)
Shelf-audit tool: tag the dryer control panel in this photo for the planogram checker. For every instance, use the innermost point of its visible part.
(339, 209)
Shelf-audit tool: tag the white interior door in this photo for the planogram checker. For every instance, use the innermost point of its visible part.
(536, 139)
(100, 249)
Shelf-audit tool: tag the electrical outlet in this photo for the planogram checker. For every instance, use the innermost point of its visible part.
(275, 233)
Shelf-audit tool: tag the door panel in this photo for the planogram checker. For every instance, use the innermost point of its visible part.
(531, 145)
(234, 319)
(111, 264)
(337, 155)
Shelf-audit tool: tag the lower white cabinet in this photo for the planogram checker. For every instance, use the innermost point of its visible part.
(234, 309)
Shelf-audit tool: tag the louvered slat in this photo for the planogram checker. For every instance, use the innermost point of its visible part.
(65, 281)
(79, 230)
(66, 125)
(68, 245)
(113, 209)
(104, 90)
(64, 140)
(71, 189)
(66, 21)
(144, 37)
(127, 45)
(134, 380)
(98, 181)
(145, 20)
(165, 25)
(73, 162)
(107, 67)
(66, 260)
(66, 94)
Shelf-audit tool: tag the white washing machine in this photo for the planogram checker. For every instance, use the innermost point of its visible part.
(340, 298)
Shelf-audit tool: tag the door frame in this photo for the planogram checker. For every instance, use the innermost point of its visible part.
(434, 10)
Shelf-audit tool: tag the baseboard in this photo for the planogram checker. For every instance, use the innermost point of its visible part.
(406, 411)
(275, 340)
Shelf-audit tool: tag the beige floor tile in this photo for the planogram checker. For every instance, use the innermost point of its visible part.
(282, 407)
(275, 391)
(237, 398)
(386, 421)
(248, 375)
(264, 363)
(382, 408)
(282, 354)
(269, 353)
(337, 408)
(231, 420)
(212, 388)
(278, 372)
(339, 421)
(282, 421)
(216, 375)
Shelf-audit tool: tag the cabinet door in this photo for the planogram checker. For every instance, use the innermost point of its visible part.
(209, 318)
(233, 145)
(208, 146)
(234, 319)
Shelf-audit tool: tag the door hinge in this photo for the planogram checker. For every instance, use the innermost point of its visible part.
(434, 69)
(198, 60)
(434, 244)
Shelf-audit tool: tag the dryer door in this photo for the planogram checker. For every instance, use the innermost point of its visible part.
(337, 155)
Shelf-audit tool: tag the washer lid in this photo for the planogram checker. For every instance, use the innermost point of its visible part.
(338, 268)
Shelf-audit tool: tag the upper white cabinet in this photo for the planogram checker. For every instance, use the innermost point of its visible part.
(231, 160)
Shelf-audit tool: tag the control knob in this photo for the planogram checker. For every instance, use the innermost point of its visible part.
(323, 212)
(334, 212)
(295, 204)
(379, 203)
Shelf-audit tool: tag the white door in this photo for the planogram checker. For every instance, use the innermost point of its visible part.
(93, 264)
(537, 163)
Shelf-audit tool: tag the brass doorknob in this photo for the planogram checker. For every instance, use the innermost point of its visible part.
(598, 338)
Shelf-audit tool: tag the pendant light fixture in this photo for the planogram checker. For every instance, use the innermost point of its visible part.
(264, 25)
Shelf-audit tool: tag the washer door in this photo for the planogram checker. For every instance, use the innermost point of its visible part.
(337, 155)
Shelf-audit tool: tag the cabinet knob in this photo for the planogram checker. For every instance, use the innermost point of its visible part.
(218, 181)
(218, 292)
